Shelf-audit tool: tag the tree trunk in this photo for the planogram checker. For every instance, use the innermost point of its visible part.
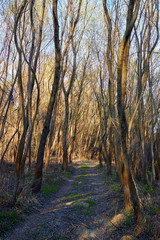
(129, 189)
(65, 129)
(36, 185)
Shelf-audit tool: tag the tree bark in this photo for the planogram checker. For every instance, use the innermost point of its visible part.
(37, 181)
(129, 189)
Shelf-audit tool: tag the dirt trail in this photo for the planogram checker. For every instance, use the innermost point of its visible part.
(86, 207)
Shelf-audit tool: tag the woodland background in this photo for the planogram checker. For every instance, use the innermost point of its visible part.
(80, 78)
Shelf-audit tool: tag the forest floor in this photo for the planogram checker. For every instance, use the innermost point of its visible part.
(88, 206)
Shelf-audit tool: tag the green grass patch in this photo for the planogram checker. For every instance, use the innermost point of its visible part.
(51, 186)
(80, 178)
(11, 193)
(82, 187)
(106, 184)
(85, 173)
(90, 202)
(49, 189)
(154, 209)
(74, 186)
(76, 196)
(8, 219)
(72, 196)
(28, 176)
(85, 166)
(85, 209)
(122, 195)
(26, 211)
(88, 212)
(129, 219)
(116, 188)
(68, 174)
(78, 186)
(81, 209)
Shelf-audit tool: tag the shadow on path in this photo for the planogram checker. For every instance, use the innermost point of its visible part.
(85, 207)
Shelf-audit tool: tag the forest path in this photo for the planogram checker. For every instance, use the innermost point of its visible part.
(86, 207)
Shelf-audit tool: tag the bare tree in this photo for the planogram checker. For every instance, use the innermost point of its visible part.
(59, 57)
(27, 116)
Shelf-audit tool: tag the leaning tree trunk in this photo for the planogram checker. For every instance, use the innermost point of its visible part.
(36, 185)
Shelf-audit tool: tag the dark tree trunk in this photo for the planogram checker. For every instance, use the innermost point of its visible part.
(37, 182)
(65, 130)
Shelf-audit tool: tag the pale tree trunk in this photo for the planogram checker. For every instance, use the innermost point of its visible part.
(104, 124)
(141, 125)
(101, 134)
(76, 111)
(113, 138)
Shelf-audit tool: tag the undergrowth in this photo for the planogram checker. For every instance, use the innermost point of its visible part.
(8, 219)
(49, 189)
(84, 167)
(84, 207)
(27, 202)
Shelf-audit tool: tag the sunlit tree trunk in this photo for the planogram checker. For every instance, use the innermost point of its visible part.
(130, 194)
